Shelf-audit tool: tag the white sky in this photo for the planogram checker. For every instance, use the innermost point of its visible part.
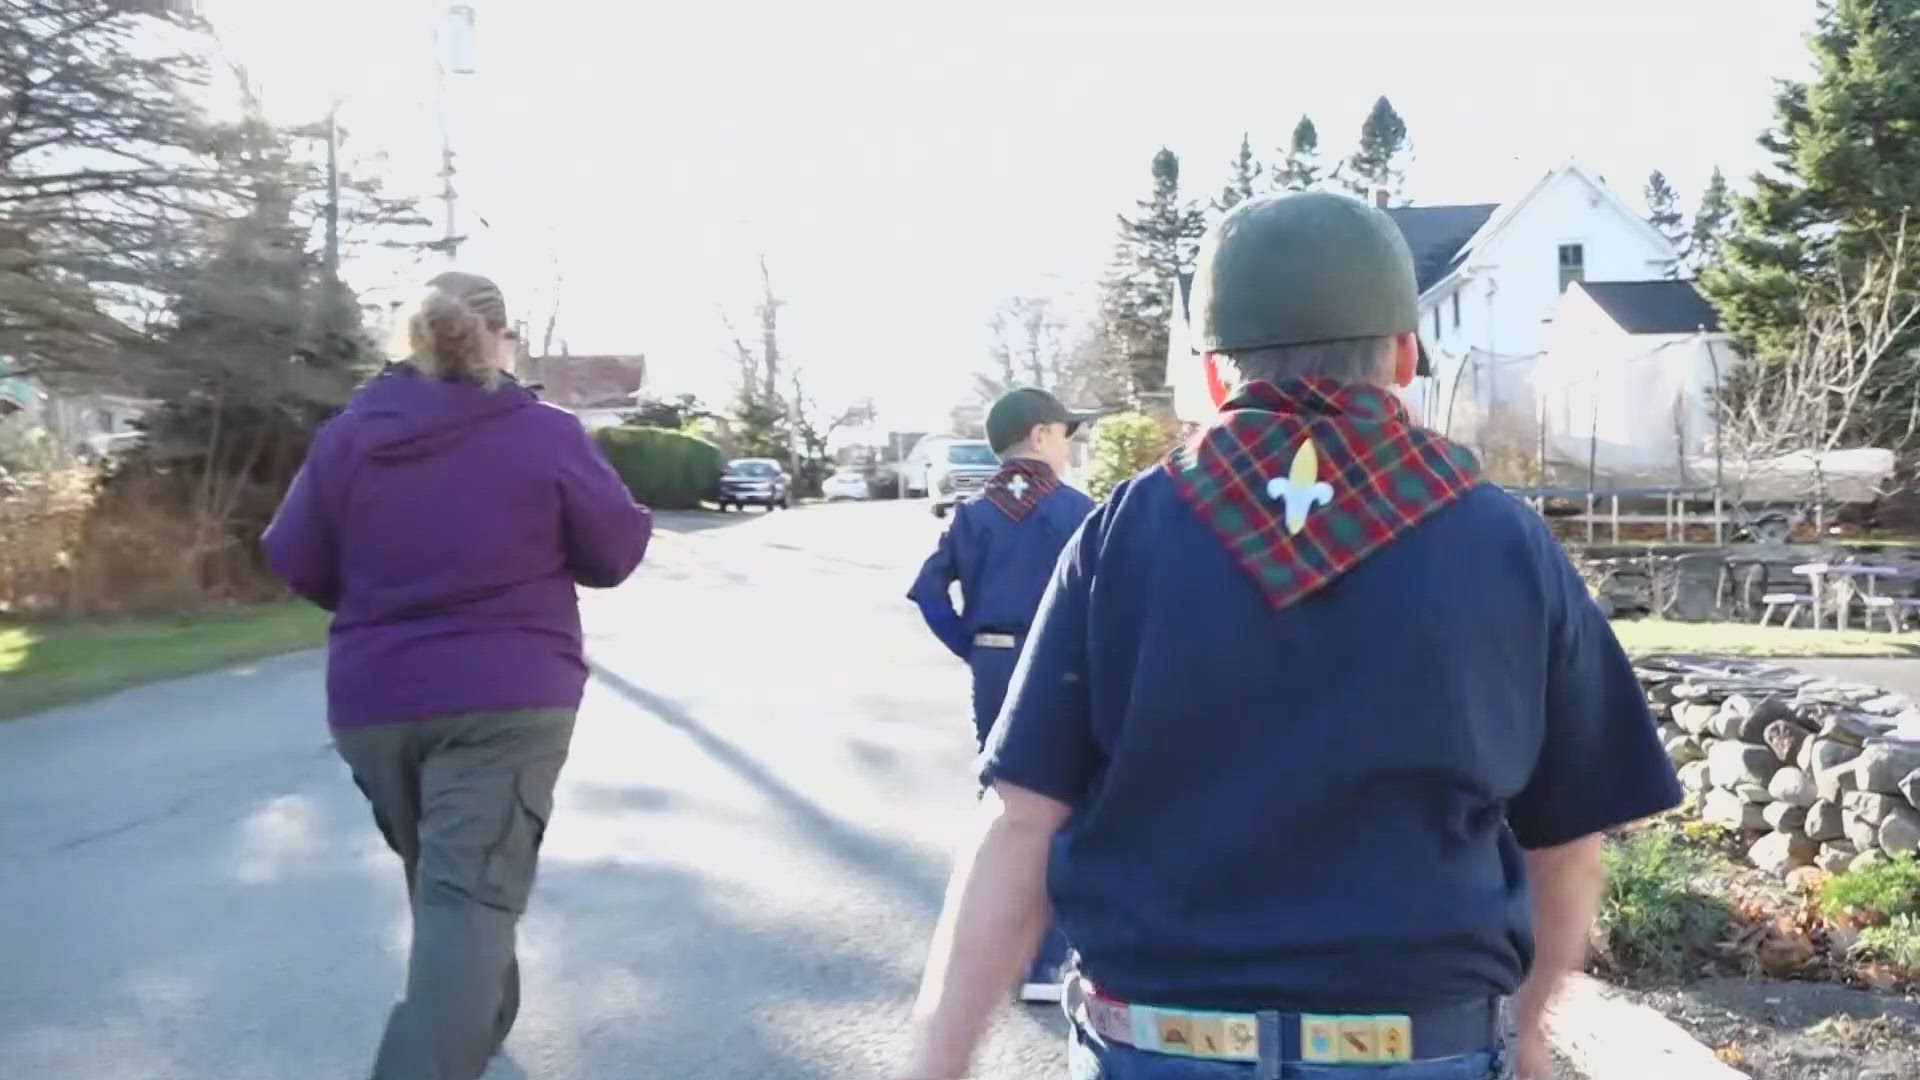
(904, 174)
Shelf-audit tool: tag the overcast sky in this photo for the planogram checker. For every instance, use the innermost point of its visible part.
(903, 175)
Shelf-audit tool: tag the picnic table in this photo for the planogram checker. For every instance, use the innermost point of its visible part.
(1843, 581)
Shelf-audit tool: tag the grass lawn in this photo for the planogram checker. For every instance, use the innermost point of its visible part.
(1747, 639)
(42, 666)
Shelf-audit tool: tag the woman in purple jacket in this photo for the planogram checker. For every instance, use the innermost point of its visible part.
(445, 519)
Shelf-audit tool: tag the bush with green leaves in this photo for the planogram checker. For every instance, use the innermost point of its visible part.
(1124, 445)
(664, 469)
(1898, 943)
(1653, 921)
(1877, 893)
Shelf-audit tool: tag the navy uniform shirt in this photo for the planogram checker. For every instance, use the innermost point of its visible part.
(1003, 566)
(1321, 807)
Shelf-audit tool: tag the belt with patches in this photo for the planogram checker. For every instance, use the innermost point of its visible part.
(1302, 1038)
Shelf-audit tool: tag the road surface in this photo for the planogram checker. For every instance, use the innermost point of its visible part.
(747, 853)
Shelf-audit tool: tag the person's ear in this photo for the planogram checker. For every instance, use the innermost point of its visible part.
(1406, 358)
(1216, 384)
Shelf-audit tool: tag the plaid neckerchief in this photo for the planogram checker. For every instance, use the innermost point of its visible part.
(1019, 486)
(1301, 480)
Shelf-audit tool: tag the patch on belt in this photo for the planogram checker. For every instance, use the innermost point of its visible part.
(1355, 1040)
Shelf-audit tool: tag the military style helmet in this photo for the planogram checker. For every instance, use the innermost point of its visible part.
(1300, 268)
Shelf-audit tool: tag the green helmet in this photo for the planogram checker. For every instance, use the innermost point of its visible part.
(1300, 268)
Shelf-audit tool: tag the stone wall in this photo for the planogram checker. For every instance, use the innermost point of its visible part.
(1810, 771)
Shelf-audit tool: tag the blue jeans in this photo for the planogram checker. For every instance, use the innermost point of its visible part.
(1090, 1058)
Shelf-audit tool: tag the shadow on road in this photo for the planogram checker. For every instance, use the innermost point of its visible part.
(699, 521)
(703, 994)
(924, 883)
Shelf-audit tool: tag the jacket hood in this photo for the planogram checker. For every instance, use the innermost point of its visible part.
(411, 415)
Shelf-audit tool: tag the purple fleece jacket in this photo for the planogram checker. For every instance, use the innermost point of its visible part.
(445, 526)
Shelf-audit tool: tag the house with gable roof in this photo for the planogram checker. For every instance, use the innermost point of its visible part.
(1492, 275)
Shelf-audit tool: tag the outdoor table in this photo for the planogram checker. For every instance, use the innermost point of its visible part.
(1845, 585)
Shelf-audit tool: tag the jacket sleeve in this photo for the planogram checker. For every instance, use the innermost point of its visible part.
(300, 544)
(605, 531)
(933, 592)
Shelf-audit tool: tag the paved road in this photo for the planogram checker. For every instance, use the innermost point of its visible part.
(746, 858)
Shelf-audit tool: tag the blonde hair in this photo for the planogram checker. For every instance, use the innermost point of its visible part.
(454, 331)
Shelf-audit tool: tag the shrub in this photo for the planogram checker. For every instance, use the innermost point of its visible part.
(1898, 943)
(664, 469)
(1877, 893)
(1123, 445)
(1652, 920)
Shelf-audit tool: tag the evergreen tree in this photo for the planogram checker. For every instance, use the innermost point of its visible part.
(1156, 247)
(1710, 223)
(1380, 162)
(1302, 169)
(1663, 212)
(1846, 175)
(102, 171)
(1243, 179)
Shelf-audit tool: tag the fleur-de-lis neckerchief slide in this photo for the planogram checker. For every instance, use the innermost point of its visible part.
(1303, 479)
(1019, 486)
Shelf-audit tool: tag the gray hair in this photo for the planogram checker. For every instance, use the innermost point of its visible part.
(1346, 360)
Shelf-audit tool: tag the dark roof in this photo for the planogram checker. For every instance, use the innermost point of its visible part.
(1654, 307)
(586, 382)
(1436, 234)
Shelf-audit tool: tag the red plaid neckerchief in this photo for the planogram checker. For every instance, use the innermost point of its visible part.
(1296, 519)
(1020, 485)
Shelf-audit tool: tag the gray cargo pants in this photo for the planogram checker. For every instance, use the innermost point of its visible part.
(464, 801)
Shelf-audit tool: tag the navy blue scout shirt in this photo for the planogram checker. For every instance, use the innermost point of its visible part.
(1003, 566)
(1321, 807)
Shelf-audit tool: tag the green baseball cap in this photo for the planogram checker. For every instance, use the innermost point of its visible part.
(1017, 412)
(1299, 268)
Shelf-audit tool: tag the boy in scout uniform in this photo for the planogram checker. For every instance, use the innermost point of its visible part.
(1001, 547)
(1316, 731)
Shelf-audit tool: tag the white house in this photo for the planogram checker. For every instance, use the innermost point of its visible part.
(81, 419)
(1491, 276)
(1626, 383)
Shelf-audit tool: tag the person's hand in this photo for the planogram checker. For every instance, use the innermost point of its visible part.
(1532, 1059)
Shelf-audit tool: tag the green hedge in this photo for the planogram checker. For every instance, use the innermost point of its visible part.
(664, 469)
(1124, 444)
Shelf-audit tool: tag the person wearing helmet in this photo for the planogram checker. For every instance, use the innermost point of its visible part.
(1001, 547)
(1316, 730)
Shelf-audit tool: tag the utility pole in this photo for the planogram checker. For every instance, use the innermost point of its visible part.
(453, 55)
(333, 197)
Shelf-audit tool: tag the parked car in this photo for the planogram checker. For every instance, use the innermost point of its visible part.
(846, 485)
(755, 482)
(960, 473)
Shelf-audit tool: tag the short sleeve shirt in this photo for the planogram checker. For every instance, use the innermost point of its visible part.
(1321, 807)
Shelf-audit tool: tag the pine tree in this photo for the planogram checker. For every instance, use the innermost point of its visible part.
(1243, 180)
(1155, 248)
(1710, 223)
(1663, 212)
(102, 174)
(1379, 164)
(1302, 169)
(1846, 173)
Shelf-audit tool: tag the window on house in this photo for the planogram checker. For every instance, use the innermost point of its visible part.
(1573, 264)
(1456, 310)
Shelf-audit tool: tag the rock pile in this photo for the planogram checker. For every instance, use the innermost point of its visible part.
(1813, 772)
